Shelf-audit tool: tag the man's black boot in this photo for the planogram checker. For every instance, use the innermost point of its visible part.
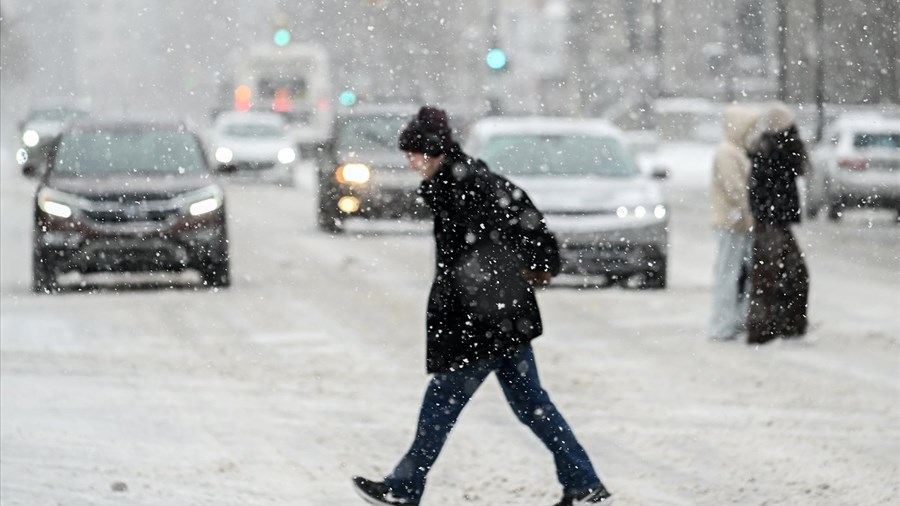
(376, 492)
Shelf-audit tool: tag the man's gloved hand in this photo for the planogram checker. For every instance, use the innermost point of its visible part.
(537, 278)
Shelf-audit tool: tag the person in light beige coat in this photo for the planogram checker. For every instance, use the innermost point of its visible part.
(733, 223)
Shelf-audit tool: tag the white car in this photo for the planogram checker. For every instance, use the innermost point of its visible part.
(609, 218)
(857, 164)
(252, 143)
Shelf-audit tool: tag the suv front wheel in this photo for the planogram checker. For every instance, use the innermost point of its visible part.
(215, 274)
(43, 273)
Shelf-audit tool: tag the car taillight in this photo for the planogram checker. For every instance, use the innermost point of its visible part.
(853, 164)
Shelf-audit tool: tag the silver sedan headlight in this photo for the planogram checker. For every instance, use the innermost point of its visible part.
(658, 211)
(204, 200)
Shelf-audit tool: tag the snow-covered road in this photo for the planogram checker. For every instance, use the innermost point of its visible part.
(309, 369)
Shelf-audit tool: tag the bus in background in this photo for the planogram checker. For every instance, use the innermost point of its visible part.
(294, 81)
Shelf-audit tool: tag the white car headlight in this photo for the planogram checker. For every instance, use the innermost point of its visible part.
(30, 138)
(57, 203)
(286, 155)
(659, 211)
(22, 156)
(204, 200)
(224, 155)
(357, 173)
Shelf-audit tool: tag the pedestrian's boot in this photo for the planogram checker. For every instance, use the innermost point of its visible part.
(376, 492)
(595, 496)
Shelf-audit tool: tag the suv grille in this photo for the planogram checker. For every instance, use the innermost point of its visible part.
(137, 212)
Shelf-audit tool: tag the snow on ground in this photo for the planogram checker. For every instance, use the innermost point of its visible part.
(309, 369)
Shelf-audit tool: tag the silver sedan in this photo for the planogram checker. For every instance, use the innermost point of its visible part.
(609, 218)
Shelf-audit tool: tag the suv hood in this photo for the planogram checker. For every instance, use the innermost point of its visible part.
(136, 188)
(556, 195)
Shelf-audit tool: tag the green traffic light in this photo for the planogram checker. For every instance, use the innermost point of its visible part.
(496, 59)
(282, 37)
(347, 98)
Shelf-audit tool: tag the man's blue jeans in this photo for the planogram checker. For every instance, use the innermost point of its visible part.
(447, 395)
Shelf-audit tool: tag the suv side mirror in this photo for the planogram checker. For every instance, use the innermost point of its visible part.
(30, 170)
(660, 172)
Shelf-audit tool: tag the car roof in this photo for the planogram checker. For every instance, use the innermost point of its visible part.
(544, 125)
(867, 122)
(50, 103)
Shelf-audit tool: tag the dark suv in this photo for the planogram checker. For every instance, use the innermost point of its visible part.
(128, 196)
(363, 174)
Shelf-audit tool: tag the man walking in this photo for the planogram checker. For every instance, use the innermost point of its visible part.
(733, 222)
(492, 246)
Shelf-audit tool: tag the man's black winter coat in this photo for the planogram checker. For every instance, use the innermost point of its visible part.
(487, 232)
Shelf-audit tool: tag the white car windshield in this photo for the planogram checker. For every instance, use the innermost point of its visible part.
(878, 140)
(128, 151)
(254, 130)
(558, 155)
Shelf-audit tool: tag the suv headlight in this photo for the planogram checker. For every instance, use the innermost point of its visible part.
(57, 203)
(356, 173)
(204, 200)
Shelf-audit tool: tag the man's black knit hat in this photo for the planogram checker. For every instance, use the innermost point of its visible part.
(428, 132)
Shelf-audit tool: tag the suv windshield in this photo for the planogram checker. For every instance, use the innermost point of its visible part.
(877, 140)
(370, 133)
(120, 152)
(558, 155)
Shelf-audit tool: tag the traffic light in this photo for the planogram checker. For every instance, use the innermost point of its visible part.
(281, 26)
(282, 37)
(496, 59)
(347, 98)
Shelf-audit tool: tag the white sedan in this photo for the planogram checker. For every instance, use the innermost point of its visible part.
(857, 164)
(252, 143)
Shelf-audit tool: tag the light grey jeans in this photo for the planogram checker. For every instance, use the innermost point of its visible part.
(730, 292)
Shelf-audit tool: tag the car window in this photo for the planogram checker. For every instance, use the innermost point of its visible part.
(557, 155)
(369, 133)
(118, 152)
(255, 130)
(877, 140)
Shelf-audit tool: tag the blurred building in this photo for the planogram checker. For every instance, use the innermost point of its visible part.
(563, 56)
(731, 49)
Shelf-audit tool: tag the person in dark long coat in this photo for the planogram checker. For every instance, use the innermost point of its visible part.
(492, 247)
(779, 278)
